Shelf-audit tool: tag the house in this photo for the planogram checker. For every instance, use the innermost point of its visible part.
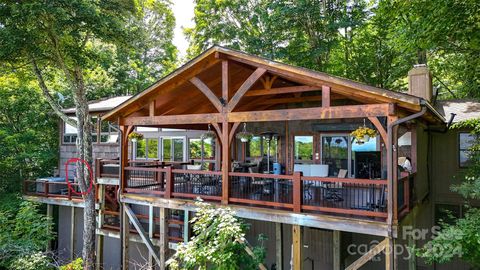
(325, 199)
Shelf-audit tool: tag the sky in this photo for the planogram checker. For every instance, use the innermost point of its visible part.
(183, 11)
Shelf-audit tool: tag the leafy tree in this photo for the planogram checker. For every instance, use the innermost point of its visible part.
(28, 132)
(462, 238)
(24, 233)
(219, 242)
(65, 44)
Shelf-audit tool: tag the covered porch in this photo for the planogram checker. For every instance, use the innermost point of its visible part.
(301, 158)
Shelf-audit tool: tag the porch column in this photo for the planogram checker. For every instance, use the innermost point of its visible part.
(279, 246)
(297, 247)
(337, 251)
(225, 128)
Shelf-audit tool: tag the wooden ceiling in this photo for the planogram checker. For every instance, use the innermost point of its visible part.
(279, 86)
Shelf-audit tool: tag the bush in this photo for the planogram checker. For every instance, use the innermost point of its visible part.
(24, 232)
(75, 265)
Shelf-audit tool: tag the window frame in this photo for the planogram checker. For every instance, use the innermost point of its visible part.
(460, 149)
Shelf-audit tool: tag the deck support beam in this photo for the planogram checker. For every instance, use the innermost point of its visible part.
(279, 246)
(50, 216)
(337, 250)
(297, 247)
(369, 255)
(146, 240)
(100, 238)
(151, 227)
(163, 238)
(124, 237)
(186, 226)
(72, 233)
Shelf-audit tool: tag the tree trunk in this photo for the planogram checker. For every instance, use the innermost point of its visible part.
(84, 150)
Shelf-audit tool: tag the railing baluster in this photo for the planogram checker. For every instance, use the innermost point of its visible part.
(297, 192)
(169, 186)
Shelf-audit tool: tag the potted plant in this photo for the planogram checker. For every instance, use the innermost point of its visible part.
(363, 134)
(244, 136)
(209, 134)
(135, 136)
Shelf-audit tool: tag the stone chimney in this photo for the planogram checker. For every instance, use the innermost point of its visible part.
(420, 82)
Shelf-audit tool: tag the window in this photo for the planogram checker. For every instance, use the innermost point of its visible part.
(152, 148)
(303, 149)
(141, 149)
(335, 153)
(195, 151)
(254, 148)
(70, 132)
(108, 133)
(465, 142)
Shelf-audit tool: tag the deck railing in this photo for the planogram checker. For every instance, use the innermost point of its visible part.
(363, 197)
(109, 168)
(345, 196)
(261, 189)
(51, 189)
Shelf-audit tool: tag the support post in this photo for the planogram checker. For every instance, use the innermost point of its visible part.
(297, 247)
(163, 237)
(50, 216)
(325, 96)
(72, 233)
(125, 231)
(389, 254)
(101, 216)
(150, 234)
(279, 246)
(297, 192)
(337, 255)
(186, 226)
(225, 162)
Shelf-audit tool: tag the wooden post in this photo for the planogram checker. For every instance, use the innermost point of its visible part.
(101, 216)
(389, 254)
(279, 246)
(297, 192)
(325, 96)
(124, 157)
(337, 255)
(225, 162)
(151, 224)
(163, 238)
(125, 227)
(297, 247)
(186, 225)
(72, 233)
(50, 216)
(169, 184)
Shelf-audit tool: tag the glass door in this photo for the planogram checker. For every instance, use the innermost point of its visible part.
(335, 153)
(173, 149)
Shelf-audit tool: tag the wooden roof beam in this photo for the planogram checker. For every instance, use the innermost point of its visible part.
(282, 90)
(245, 87)
(207, 92)
(336, 112)
(201, 118)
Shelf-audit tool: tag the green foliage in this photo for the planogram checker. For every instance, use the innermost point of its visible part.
(28, 133)
(24, 232)
(375, 42)
(462, 238)
(77, 264)
(218, 243)
(34, 261)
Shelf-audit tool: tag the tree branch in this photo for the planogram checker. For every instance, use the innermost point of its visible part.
(56, 108)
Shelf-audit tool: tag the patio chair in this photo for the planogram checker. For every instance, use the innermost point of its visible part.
(194, 179)
(261, 185)
(333, 191)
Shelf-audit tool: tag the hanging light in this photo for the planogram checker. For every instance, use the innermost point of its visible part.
(209, 134)
(244, 135)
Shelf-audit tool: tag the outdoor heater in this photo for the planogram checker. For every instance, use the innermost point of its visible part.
(268, 136)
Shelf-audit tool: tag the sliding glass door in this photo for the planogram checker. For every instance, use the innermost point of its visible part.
(335, 153)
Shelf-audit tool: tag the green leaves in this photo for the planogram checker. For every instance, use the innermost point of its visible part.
(218, 243)
(23, 233)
